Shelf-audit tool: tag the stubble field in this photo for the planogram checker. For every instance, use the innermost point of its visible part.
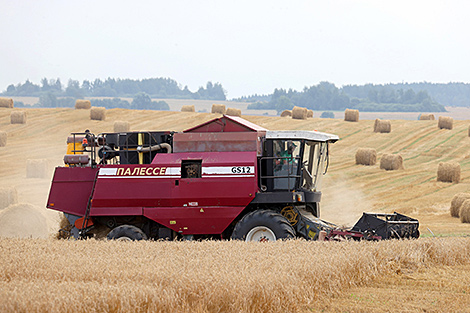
(426, 274)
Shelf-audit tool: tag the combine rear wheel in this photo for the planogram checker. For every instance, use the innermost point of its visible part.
(263, 225)
(126, 233)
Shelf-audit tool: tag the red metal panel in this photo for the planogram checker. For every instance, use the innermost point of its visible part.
(216, 142)
(71, 188)
(226, 124)
(194, 221)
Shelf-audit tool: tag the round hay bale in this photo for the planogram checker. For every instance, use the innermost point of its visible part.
(3, 138)
(8, 196)
(81, 104)
(456, 203)
(382, 126)
(121, 126)
(299, 113)
(286, 113)
(36, 168)
(188, 108)
(18, 117)
(366, 156)
(351, 115)
(448, 172)
(6, 103)
(233, 112)
(218, 108)
(445, 122)
(24, 221)
(391, 162)
(98, 113)
(464, 212)
(468, 131)
(426, 117)
(309, 113)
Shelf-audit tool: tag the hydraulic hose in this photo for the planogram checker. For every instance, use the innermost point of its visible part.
(155, 148)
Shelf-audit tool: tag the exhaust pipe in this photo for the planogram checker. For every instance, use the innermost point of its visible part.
(155, 148)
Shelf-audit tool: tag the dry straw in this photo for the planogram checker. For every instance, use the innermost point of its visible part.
(445, 122)
(382, 126)
(234, 112)
(299, 113)
(391, 162)
(36, 168)
(456, 203)
(121, 126)
(427, 117)
(18, 117)
(8, 196)
(3, 138)
(448, 172)
(98, 113)
(286, 113)
(24, 221)
(81, 104)
(309, 113)
(366, 156)
(188, 108)
(6, 103)
(351, 115)
(218, 108)
(465, 212)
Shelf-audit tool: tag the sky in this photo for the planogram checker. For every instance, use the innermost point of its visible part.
(247, 46)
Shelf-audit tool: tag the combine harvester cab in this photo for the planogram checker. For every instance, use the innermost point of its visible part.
(226, 178)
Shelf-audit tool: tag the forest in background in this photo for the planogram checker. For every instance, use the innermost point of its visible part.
(402, 97)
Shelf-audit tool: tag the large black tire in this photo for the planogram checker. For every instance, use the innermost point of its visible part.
(126, 232)
(263, 225)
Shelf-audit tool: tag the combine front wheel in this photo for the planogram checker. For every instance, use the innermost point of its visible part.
(263, 225)
(126, 233)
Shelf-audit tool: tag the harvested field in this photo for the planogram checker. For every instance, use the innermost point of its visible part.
(36, 168)
(121, 126)
(199, 277)
(3, 138)
(8, 196)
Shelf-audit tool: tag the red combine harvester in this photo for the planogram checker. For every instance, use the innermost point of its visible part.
(226, 178)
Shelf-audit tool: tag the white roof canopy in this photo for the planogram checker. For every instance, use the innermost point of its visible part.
(301, 134)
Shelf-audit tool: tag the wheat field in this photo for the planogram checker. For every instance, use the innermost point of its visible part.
(411, 276)
(45, 275)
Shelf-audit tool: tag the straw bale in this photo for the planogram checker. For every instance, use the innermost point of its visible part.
(6, 103)
(81, 104)
(366, 156)
(456, 203)
(121, 126)
(286, 113)
(448, 172)
(3, 138)
(233, 112)
(445, 122)
(309, 113)
(464, 212)
(351, 115)
(468, 131)
(188, 108)
(391, 162)
(18, 117)
(426, 116)
(23, 220)
(98, 113)
(36, 168)
(218, 108)
(8, 196)
(299, 113)
(382, 126)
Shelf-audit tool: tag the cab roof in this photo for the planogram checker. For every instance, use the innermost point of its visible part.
(301, 134)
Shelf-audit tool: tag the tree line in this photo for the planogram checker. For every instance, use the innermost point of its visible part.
(326, 96)
(111, 87)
